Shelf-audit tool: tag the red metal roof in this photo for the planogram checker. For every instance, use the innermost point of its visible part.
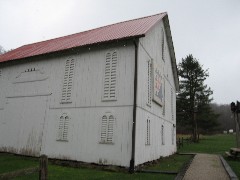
(127, 29)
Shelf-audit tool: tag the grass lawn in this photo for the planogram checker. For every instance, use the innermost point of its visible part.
(11, 162)
(216, 144)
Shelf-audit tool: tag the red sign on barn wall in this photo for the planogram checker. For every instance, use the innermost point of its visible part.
(158, 95)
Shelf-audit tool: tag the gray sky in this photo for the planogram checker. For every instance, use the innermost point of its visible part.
(208, 29)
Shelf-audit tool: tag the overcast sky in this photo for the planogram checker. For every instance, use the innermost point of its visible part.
(208, 29)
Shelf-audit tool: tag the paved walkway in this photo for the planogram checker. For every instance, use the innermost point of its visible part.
(206, 166)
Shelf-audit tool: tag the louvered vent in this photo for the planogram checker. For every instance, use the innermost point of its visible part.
(68, 81)
(164, 97)
(163, 45)
(107, 129)
(110, 129)
(63, 128)
(148, 133)
(104, 128)
(149, 83)
(173, 134)
(163, 135)
(110, 77)
(172, 105)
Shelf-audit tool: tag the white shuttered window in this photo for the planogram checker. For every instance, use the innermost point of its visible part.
(163, 45)
(172, 110)
(110, 77)
(149, 83)
(68, 81)
(164, 97)
(173, 134)
(63, 128)
(163, 135)
(148, 133)
(107, 128)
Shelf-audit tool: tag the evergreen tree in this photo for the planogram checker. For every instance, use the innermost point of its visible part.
(193, 109)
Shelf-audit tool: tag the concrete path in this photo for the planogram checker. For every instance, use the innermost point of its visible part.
(206, 166)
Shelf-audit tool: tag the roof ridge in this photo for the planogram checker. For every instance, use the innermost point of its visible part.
(93, 29)
(116, 31)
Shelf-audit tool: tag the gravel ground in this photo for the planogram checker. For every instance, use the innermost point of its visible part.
(206, 166)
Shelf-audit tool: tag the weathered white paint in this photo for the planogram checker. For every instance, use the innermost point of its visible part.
(30, 105)
(150, 48)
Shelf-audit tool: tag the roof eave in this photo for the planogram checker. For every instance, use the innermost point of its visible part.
(171, 50)
(82, 46)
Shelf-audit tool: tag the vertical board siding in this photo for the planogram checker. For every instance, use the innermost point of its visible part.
(80, 80)
(154, 46)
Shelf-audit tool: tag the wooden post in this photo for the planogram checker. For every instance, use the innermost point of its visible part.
(43, 167)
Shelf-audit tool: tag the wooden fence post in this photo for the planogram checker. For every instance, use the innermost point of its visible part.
(43, 167)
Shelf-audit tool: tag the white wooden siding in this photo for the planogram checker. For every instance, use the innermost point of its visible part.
(30, 115)
(154, 47)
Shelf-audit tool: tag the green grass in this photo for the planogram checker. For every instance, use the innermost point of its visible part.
(172, 163)
(11, 162)
(216, 144)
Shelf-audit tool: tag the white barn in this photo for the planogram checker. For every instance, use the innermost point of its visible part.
(104, 96)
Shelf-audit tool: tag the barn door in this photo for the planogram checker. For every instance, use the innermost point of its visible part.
(25, 124)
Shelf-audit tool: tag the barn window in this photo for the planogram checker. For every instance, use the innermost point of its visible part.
(107, 128)
(110, 77)
(173, 134)
(148, 133)
(163, 135)
(164, 97)
(172, 112)
(163, 45)
(63, 127)
(68, 81)
(149, 83)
